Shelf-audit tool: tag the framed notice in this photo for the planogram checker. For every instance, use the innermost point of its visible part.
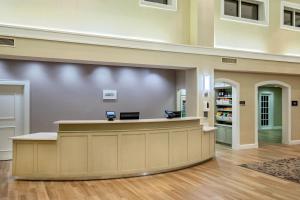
(109, 94)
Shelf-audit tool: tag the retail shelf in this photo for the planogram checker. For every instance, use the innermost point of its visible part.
(224, 97)
(227, 125)
(220, 120)
(222, 110)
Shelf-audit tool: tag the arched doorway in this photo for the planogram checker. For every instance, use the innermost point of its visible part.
(262, 111)
(235, 110)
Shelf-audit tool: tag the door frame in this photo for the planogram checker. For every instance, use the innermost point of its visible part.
(286, 109)
(235, 111)
(271, 109)
(26, 95)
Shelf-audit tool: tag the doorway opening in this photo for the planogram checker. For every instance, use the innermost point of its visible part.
(272, 113)
(227, 114)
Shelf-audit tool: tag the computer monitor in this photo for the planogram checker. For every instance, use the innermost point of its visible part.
(129, 115)
(173, 114)
(110, 115)
(177, 114)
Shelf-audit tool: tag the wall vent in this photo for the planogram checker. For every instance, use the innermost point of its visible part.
(7, 42)
(229, 60)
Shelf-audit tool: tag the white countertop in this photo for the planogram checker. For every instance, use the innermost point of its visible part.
(209, 128)
(37, 136)
(126, 121)
(52, 136)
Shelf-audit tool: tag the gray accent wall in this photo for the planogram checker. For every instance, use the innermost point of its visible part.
(61, 91)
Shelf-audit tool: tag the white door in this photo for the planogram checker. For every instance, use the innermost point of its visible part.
(11, 117)
(265, 110)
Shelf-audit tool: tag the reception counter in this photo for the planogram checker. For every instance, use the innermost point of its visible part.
(83, 150)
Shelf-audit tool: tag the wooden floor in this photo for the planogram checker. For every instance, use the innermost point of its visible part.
(220, 178)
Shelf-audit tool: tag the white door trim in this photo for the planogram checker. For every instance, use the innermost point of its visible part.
(235, 111)
(286, 109)
(26, 93)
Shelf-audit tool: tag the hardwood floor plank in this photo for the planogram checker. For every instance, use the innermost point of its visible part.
(220, 178)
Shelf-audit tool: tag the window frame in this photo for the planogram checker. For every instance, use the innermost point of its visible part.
(263, 13)
(172, 6)
(295, 8)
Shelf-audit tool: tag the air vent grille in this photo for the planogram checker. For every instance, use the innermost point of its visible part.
(229, 60)
(7, 42)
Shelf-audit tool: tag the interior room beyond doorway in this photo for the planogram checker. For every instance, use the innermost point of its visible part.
(269, 115)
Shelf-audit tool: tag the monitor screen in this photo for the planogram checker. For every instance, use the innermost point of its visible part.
(129, 115)
(110, 114)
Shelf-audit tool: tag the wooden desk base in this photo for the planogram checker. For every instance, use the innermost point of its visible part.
(123, 150)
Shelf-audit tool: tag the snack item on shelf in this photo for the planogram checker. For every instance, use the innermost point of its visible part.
(224, 101)
(224, 116)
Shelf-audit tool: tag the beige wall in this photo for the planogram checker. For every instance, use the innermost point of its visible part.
(269, 39)
(196, 22)
(247, 90)
(202, 23)
(84, 53)
(108, 17)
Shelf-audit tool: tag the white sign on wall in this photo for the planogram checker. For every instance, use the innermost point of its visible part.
(109, 94)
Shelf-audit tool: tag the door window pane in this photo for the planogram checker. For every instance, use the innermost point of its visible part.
(297, 18)
(159, 1)
(288, 18)
(249, 10)
(231, 8)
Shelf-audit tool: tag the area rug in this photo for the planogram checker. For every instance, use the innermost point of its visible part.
(288, 168)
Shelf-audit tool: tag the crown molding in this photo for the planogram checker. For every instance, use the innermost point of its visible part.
(42, 33)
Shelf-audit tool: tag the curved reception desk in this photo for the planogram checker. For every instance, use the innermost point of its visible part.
(83, 150)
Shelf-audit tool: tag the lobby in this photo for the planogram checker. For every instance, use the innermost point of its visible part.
(149, 99)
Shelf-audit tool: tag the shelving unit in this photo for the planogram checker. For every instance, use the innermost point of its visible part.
(223, 113)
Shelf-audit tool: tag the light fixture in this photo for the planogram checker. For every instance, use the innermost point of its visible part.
(206, 83)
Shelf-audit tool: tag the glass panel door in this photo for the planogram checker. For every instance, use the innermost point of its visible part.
(265, 110)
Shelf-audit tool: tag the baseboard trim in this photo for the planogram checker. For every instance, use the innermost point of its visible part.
(294, 142)
(248, 146)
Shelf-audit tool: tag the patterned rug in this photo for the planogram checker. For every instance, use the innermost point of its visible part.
(288, 168)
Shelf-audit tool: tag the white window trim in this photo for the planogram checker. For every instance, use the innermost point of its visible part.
(239, 19)
(293, 6)
(171, 7)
